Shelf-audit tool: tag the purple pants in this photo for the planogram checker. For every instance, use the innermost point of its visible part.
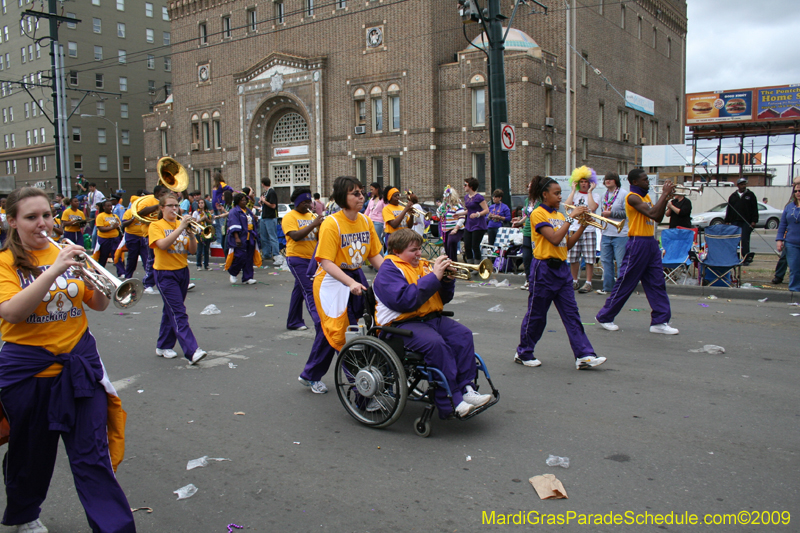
(642, 262)
(243, 259)
(452, 244)
(548, 285)
(319, 360)
(173, 284)
(75, 236)
(303, 290)
(32, 450)
(448, 346)
(149, 278)
(107, 249)
(137, 248)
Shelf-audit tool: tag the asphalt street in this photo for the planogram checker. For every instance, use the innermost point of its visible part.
(656, 429)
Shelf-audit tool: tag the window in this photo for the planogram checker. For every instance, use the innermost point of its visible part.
(195, 130)
(101, 135)
(35, 136)
(38, 50)
(76, 134)
(601, 116)
(5, 141)
(167, 88)
(126, 161)
(149, 35)
(120, 5)
(44, 163)
(226, 27)
(103, 163)
(394, 172)
(669, 47)
(655, 38)
(394, 113)
(73, 103)
(584, 65)
(28, 137)
(125, 137)
(251, 19)
(123, 56)
(669, 134)
(280, 12)
(42, 135)
(98, 53)
(164, 146)
(361, 112)
(123, 110)
(479, 169)
(30, 164)
(34, 109)
(123, 83)
(11, 114)
(341, 4)
(585, 148)
(361, 170)
(148, 9)
(95, 2)
(151, 61)
(599, 10)
(639, 27)
(166, 38)
(71, 47)
(167, 64)
(73, 77)
(653, 132)
(98, 81)
(310, 8)
(203, 33)
(97, 25)
(164, 13)
(377, 114)
(377, 170)
(2, 64)
(206, 136)
(217, 130)
(100, 109)
(5, 115)
(13, 140)
(121, 30)
(27, 112)
(479, 106)
(622, 16)
(151, 86)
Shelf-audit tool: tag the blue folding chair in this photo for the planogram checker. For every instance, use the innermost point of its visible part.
(676, 243)
(722, 266)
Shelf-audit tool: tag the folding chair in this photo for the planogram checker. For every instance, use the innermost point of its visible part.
(431, 246)
(676, 243)
(722, 266)
(505, 239)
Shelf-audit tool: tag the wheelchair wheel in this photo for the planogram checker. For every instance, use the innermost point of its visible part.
(423, 429)
(371, 382)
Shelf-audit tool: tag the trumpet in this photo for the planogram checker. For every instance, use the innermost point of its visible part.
(124, 294)
(464, 270)
(417, 212)
(196, 228)
(591, 219)
(682, 190)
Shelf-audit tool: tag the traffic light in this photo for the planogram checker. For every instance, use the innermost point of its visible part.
(469, 11)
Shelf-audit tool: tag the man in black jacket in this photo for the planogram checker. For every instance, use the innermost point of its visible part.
(742, 211)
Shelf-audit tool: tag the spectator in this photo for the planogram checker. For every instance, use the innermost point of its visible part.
(789, 237)
(679, 211)
(499, 215)
(185, 204)
(419, 222)
(375, 207)
(216, 202)
(742, 211)
(268, 226)
(94, 199)
(475, 224)
(613, 242)
(317, 205)
(584, 180)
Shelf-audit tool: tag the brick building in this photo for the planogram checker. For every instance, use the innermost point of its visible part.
(391, 91)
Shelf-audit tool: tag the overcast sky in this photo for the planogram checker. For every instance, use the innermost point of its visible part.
(736, 44)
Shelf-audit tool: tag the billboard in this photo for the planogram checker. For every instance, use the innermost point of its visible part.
(760, 104)
(639, 103)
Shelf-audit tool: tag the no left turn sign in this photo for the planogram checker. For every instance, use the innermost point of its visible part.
(508, 137)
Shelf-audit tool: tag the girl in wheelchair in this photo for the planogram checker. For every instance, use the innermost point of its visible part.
(410, 294)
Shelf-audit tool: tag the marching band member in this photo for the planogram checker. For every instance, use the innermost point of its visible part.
(75, 215)
(3, 230)
(203, 217)
(410, 295)
(242, 241)
(346, 238)
(108, 237)
(52, 382)
(147, 206)
(135, 241)
(393, 213)
(58, 228)
(172, 243)
(299, 226)
(550, 280)
(642, 260)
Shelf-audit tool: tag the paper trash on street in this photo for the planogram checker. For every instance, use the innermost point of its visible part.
(548, 487)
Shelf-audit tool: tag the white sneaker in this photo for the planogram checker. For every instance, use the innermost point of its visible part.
(301, 328)
(278, 260)
(250, 281)
(167, 353)
(317, 387)
(601, 291)
(589, 361)
(533, 362)
(199, 268)
(233, 279)
(664, 328)
(610, 326)
(198, 355)
(191, 286)
(32, 527)
(150, 290)
(574, 284)
(463, 409)
(122, 277)
(473, 397)
(524, 286)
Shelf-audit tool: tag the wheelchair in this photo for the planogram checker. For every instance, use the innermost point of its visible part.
(375, 376)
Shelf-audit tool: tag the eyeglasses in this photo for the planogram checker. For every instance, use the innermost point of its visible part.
(357, 194)
(171, 205)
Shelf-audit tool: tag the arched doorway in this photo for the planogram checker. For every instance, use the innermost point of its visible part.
(289, 159)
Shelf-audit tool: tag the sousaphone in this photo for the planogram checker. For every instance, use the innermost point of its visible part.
(171, 175)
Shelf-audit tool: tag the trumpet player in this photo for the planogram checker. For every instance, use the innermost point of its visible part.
(550, 279)
(395, 216)
(48, 348)
(642, 260)
(108, 235)
(242, 241)
(584, 181)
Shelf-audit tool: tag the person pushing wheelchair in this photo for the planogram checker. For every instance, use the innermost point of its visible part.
(410, 294)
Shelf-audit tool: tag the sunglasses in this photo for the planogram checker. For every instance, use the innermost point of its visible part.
(357, 194)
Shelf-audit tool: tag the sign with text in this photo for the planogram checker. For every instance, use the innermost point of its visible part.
(776, 103)
(290, 150)
(640, 103)
(734, 159)
(760, 104)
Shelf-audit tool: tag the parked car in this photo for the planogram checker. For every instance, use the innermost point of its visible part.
(283, 210)
(768, 216)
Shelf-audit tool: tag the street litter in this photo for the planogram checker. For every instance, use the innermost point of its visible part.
(234, 526)
(496, 309)
(240, 413)
(713, 349)
(148, 509)
(231, 365)
(795, 314)
(763, 300)
(555, 460)
(749, 286)
(250, 315)
(269, 305)
(495, 283)
(296, 443)
(548, 487)
(185, 492)
(210, 309)
(140, 391)
(712, 297)
(469, 458)
(793, 303)
(635, 310)
(703, 305)
(201, 462)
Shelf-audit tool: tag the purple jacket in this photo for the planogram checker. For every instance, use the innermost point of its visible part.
(473, 205)
(396, 293)
(237, 223)
(216, 195)
(502, 210)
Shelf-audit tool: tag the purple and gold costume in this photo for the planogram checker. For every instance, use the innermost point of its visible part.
(242, 258)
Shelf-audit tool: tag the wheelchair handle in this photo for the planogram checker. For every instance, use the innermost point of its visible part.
(395, 331)
(446, 313)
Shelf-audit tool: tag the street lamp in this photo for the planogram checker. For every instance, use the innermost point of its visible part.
(116, 137)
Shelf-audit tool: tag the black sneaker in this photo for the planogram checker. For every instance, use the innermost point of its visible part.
(777, 281)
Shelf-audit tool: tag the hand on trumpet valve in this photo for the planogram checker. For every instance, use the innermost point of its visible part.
(441, 267)
(579, 212)
(70, 256)
(668, 188)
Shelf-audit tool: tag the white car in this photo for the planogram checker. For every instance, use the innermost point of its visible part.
(768, 216)
(283, 210)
